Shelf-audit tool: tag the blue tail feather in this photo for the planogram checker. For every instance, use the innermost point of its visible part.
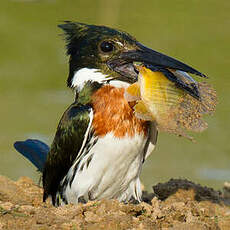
(34, 150)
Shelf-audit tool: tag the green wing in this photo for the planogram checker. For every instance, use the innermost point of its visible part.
(68, 140)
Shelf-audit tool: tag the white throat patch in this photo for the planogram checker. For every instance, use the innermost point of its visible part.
(85, 74)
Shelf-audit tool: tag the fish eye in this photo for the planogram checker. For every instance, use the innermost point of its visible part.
(107, 46)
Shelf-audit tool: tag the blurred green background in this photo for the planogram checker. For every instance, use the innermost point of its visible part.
(34, 69)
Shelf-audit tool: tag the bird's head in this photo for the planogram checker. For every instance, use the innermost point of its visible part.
(103, 54)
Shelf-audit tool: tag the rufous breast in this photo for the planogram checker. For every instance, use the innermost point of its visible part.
(112, 113)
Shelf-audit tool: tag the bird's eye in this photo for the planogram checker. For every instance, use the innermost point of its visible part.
(106, 46)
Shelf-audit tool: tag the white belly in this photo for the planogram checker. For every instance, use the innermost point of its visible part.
(113, 172)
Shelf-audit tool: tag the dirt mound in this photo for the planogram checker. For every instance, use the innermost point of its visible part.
(177, 204)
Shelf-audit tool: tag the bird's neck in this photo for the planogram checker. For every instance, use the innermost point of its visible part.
(84, 96)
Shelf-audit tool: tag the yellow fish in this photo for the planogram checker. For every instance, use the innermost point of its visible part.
(173, 109)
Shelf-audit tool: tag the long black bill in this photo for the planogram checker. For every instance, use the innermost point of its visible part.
(156, 61)
(154, 58)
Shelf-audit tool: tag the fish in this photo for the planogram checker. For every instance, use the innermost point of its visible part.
(172, 108)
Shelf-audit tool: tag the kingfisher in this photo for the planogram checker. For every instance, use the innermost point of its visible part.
(100, 145)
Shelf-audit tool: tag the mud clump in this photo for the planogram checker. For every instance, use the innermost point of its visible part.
(177, 204)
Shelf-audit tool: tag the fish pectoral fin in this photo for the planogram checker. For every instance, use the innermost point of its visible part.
(142, 112)
(132, 93)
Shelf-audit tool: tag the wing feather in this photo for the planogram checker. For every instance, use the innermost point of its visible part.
(70, 138)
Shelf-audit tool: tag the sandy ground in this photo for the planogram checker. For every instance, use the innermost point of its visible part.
(177, 204)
